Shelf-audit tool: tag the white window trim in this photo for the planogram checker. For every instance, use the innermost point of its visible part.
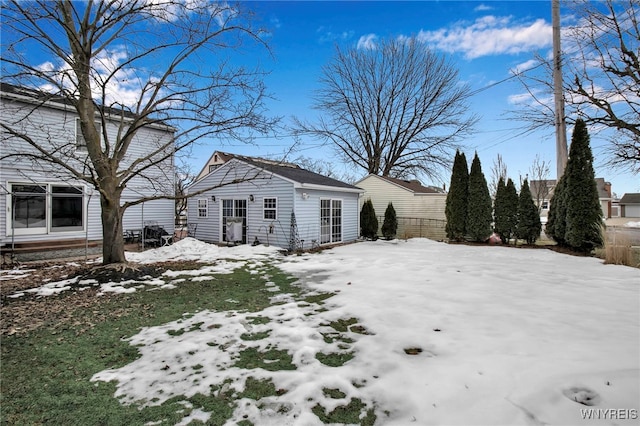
(205, 208)
(273, 209)
(47, 229)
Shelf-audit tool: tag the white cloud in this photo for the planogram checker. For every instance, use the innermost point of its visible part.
(482, 8)
(525, 66)
(367, 41)
(490, 35)
(326, 35)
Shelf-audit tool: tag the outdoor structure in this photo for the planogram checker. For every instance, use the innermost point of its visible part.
(280, 204)
(630, 205)
(542, 191)
(419, 209)
(217, 159)
(42, 206)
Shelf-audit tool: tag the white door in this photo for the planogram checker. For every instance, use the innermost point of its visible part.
(330, 221)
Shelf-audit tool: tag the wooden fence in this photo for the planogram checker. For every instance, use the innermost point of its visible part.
(413, 227)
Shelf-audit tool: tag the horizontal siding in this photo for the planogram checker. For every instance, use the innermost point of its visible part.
(56, 128)
(428, 208)
(308, 214)
(307, 211)
(259, 184)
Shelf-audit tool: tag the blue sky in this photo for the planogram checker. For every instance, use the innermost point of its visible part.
(484, 39)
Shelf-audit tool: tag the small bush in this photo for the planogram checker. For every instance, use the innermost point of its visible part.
(390, 224)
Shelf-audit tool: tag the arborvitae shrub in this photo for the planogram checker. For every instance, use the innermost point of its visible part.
(456, 207)
(390, 224)
(557, 218)
(479, 208)
(584, 215)
(368, 220)
(529, 226)
(505, 210)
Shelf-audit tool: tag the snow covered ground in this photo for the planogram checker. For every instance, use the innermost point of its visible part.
(502, 335)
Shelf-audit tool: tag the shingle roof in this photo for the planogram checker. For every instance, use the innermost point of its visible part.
(633, 198)
(295, 173)
(412, 185)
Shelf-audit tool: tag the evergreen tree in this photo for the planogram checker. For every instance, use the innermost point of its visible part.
(498, 211)
(390, 224)
(529, 226)
(368, 220)
(557, 218)
(456, 207)
(511, 209)
(479, 209)
(505, 210)
(584, 214)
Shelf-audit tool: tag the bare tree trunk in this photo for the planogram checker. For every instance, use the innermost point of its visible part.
(112, 236)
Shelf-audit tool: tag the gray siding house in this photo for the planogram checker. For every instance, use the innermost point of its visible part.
(42, 206)
(248, 199)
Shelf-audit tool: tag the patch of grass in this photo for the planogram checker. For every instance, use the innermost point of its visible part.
(259, 320)
(255, 336)
(271, 360)
(318, 298)
(257, 389)
(336, 337)
(335, 359)
(342, 325)
(333, 393)
(352, 413)
(46, 372)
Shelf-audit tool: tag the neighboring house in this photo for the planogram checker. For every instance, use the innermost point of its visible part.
(253, 199)
(216, 160)
(630, 205)
(542, 191)
(42, 205)
(420, 209)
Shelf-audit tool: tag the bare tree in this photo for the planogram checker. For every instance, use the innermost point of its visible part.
(601, 67)
(540, 185)
(397, 109)
(139, 64)
(499, 170)
(184, 178)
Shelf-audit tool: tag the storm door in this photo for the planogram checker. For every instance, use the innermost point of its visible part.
(234, 209)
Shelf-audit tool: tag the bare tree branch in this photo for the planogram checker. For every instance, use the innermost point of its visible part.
(126, 68)
(601, 70)
(396, 110)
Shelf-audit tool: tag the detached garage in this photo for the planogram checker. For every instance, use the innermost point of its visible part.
(249, 200)
(630, 205)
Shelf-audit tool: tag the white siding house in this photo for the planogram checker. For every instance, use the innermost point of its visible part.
(44, 205)
(419, 209)
(260, 196)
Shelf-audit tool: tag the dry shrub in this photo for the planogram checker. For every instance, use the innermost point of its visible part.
(618, 250)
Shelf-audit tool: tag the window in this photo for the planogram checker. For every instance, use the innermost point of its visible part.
(203, 208)
(270, 208)
(545, 205)
(66, 208)
(44, 208)
(81, 143)
(29, 207)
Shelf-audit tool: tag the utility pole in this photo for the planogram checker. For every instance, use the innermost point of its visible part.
(561, 131)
